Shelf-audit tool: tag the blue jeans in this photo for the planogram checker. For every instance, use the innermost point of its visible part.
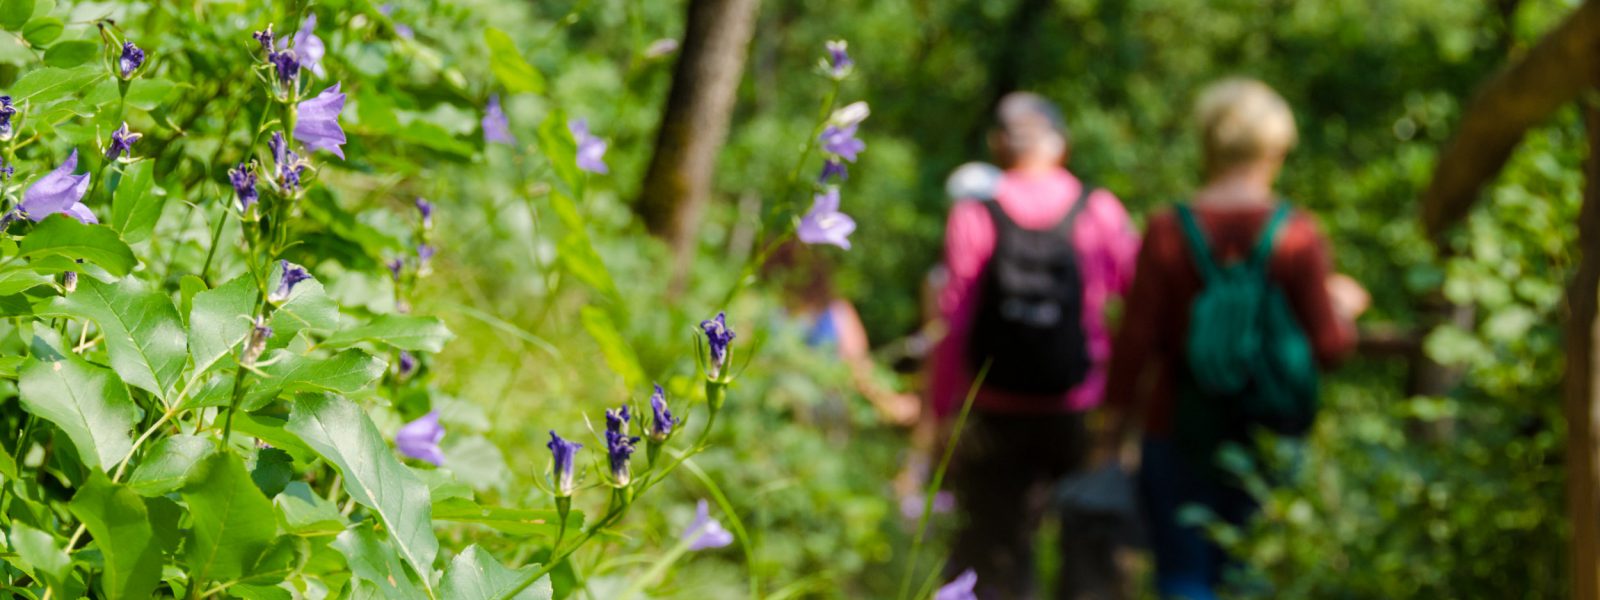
(1188, 565)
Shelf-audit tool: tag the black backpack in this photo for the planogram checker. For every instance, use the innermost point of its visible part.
(1030, 310)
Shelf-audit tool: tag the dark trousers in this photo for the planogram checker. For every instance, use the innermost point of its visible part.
(1003, 472)
(1189, 566)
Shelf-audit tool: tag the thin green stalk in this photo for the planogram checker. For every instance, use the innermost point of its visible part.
(735, 525)
(938, 480)
(657, 569)
(216, 237)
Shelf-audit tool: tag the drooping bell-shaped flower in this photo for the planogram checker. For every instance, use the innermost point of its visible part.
(960, 588)
(59, 191)
(619, 446)
(287, 65)
(308, 48)
(562, 452)
(704, 532)
(7, 111)
(407, 365)
(419, 439)
(122, 143)
(265, 38)
(841, 142)
(591, 149)
(132, 58)
(243, 179)
(824, 224)
(496, 127)
(290, 275)
(838, 61)
(833, 168)
(425, 210)
(661, 420)
(718, 336)
(425, 254)
(318, 126)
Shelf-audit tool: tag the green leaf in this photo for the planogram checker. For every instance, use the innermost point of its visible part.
(44, 558)
(508, 65)
(117, 519)
(308, 309)
(304, 513)
(148, 93)
(142, 330)
(136, 207)
(476, 575)
(556, 143)
(343, 435)
(43, 30)
(613, 347)
(165, 468)
(272, 471)
(513, 521)
(287, 372)
(15, 13)
(16, 281)
(90, 404)
(70, 53)
(374, 562)
(406, 332)
(233, 522)
(49, 84)
(219, 320)
(61, 235)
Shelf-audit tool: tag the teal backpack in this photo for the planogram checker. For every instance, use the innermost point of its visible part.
(1249, 362)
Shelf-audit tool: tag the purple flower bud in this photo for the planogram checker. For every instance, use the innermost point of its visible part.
(407, 366)
(833, 168)
(122, 142)
(243, 179)
(259, 335)
(69, 281)
(960, 588)
(59, 191)
(290, 275)
(7, 110)
(496, 127)
(396, 268)
(308, 47)
(419, 439)
(425, 210)
(842, 142)
(425, 258)
(619, 446)
(839, 62)
(563, 452)
(6, 171)
(718, 336)
(705, 532)
(287, 65)
(661, 421)
(825, 224)
(591, 150)
(265, 37)
(318, 125)
(132, 57)
(288, 164)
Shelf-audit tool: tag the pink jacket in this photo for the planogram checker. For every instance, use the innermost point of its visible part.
(1106, 246)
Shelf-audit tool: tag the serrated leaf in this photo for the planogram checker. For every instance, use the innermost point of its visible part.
(406, 332)
(474, 574)
(15, 13)
(342, 434)
(219, 320)
(61, 235)
(142, 330)
(89, 403)
(514, 521)
(233, 522)
(70, 53)
(165, 468)
(613, 347)
(120, 525)
(376, 563)
(506, 61)
(135, 207)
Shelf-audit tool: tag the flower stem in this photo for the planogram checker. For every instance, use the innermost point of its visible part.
(938, 480)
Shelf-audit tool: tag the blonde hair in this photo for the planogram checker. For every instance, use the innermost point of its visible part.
(1241, 121)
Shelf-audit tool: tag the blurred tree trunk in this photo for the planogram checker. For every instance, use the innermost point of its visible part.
(1583, 382)
(694, 124)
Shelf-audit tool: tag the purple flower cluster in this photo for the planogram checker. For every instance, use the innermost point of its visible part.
(243, 179)
(619, 446)
(290, 275)
(718, 336)
(132, 58)
(289, 165)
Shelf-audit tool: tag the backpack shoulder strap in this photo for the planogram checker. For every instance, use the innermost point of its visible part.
(1068, 223)
(997, 216)
(1269, 236)
(1199, 248)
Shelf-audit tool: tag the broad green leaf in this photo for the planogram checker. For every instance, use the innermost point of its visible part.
(16, 281)
(506, 61)
(285, 372)
(476, 575)
(272, 471)
(233, 522)
(219, 320)
(89, 403)
(42, 555)
(406, 332)
(61, 235)
(16, 305)
(343, 435)
(147, 93)
(143, 332)
(70, 53)
(15, 13)
(52, 83)
(374, 562)
(302, 512)
(42, 30)
(618, 353)
(430, 135)
(166, 466)
(8, 463)
(117, 519)
(514, 521)
(136, 205)
(270, 429)
(557, 145)
(308, 309)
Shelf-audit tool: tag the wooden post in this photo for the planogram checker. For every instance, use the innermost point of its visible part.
(1582, 385)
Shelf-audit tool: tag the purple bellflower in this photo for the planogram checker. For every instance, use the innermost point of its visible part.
(7, 111)
(59, 191)
(6, 171)
(265, 37)
(290, 276)
(619, 446)
(132, 58)
(288, 164)
(425, 254)
(661, 420)
(397, 268)
(308, 48)
(718, 336)
(400, 29)
(407, 365)
(562, 452)
(825, 224)
(122, 142)
(705, 532)
(841, 142)
(318, 127)
(959, 588)
(591, 150)
(425, 210)
(243, 178)
(496, 128)
(287, 65)
(839, 63)
(419, 439)
(259, 334)
(833, 168)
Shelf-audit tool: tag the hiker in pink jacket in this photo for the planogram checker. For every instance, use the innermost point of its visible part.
(1030, 275)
